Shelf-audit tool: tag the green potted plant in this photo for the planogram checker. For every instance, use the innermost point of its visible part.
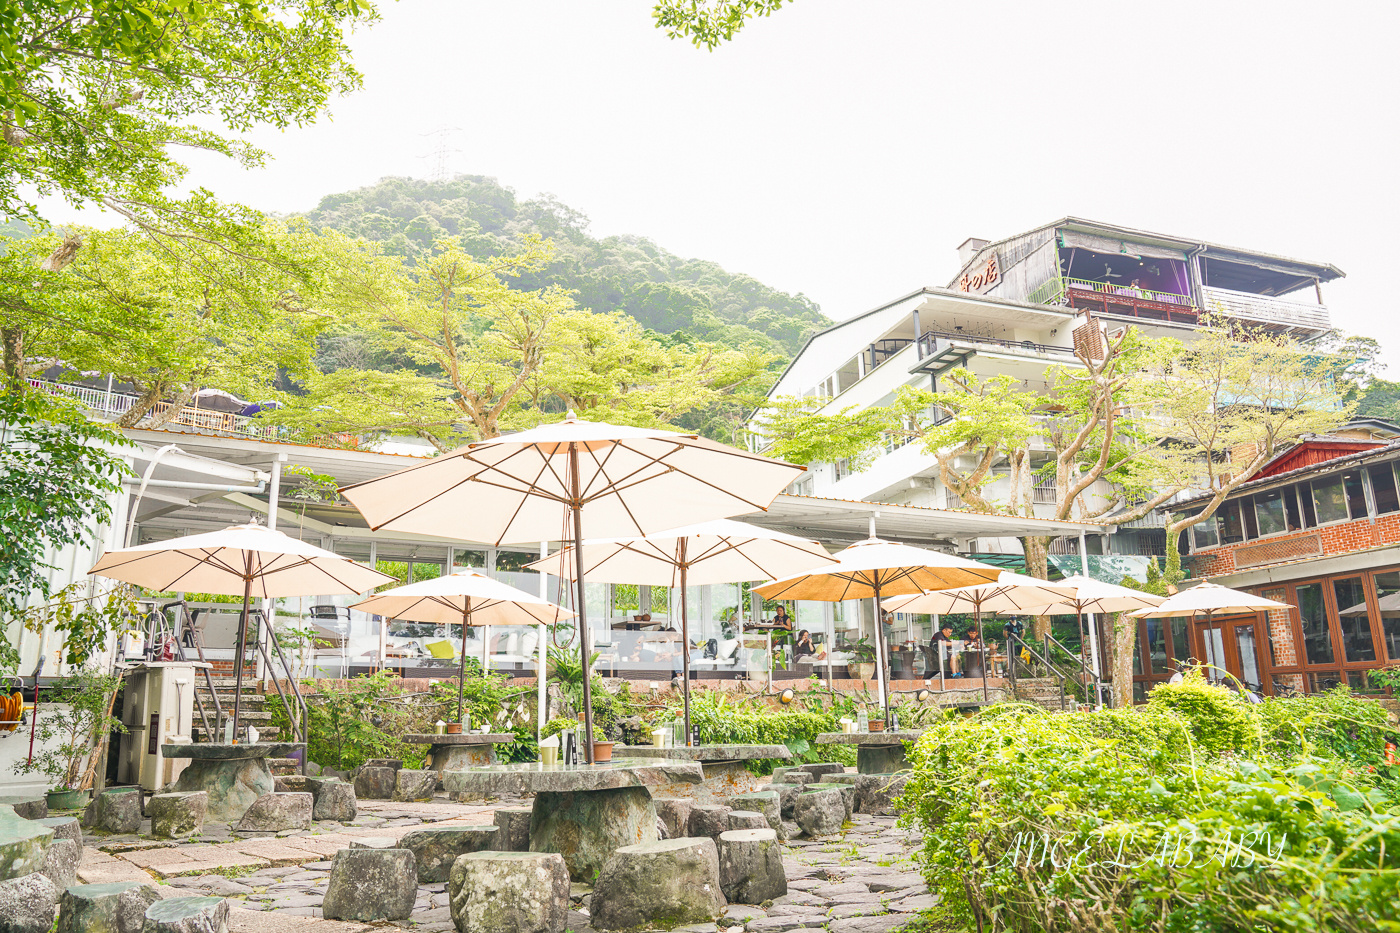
(75, 715)
(864, 653)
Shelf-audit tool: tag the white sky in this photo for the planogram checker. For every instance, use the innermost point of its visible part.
(843, 148)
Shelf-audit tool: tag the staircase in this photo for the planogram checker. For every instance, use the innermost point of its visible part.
(1043, 691)
(251, 710)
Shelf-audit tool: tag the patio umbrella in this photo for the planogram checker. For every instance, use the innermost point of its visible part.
(1092, 595)
(541, 484)
(467, 597)
(1209, 599)
(721, 551)
(1011, 592)
(249, 559)
(876, 568)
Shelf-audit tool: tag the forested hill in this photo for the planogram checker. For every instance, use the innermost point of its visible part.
(664, 292)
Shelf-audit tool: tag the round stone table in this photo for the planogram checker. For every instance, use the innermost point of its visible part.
(232, 775)
(456, 752)
(583, 812)
(724, 766)
(876, 752)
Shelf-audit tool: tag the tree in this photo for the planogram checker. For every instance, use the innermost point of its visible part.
(709, 22)
(57, 473)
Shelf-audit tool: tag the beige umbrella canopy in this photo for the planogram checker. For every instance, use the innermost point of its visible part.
(249, 559)
(875, 568)
(721, 551)
(542, 484)
(468, 598)
(1209, 599)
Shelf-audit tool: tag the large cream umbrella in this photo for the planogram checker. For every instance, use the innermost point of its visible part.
(1209, 599)
(468, 598)
(541, 484)
(875, 568)
(721, 551)
(251, 560)
(1011, 592)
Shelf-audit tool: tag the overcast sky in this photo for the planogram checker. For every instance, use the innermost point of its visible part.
(843, 148)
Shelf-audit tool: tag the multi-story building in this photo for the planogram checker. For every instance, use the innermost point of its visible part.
(1020, 305)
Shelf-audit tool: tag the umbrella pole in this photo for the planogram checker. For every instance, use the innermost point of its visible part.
(881, 679)
(242, 646)
(462, 673)
(982, 644)
(576, 492)
(685, 645)
(1083, 648)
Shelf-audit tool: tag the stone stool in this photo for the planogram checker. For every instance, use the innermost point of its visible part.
(64, 827)
(747, 819)
(175, 816)
(820, 812)
(751, 866)
(436, 849)
(766, 802)
(674, 813)
(61, 863)
(119, 907)
(708, 819)
(115, 811)
(412, 785)
(513, 824)
(371, 884)
(28, 903)
(374, 842)
(876, 793)
(332, 799)
(823, 767)
(376, 781)
(509, 892)
(275, 813)
(673, 882)
(187, 915)
(29, 806)
(787, 793)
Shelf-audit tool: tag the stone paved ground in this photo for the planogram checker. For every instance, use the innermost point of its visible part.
(863, 881)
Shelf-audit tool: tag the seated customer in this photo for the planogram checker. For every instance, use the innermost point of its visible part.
(942, 645)
(803, 646)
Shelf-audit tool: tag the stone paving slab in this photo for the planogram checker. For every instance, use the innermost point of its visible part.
(225, 860)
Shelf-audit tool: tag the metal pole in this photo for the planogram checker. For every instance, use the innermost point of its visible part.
(982, 644)
(880, 678)
(462, 672)
(685, 639)
(242, 644)
(274, 488)
(576, 505)
(542, 699)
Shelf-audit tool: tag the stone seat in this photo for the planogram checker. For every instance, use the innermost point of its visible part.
(115, 811)
(187, 915)
(332, 799)
(751, 866)
(410, 784)
(177, 815)
(29, 806)
(670, 883)
(371, 885)
(275, 813)
(767, 802)
(820, 812)
(509, 892)
(823, 767)
(436, 848)
(876, 794)
(119, 907)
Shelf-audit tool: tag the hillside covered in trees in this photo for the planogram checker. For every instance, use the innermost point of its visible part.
(688, 298)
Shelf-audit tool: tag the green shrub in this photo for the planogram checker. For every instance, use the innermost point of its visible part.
(1336, 724)
(1220, 719)
(724, 721)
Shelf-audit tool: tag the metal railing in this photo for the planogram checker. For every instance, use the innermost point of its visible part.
(1266, 309)
(116, 404)
(1084, 677)
(1125, 291)
(929, 343)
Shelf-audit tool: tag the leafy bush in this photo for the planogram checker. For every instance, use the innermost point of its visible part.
(1336, 724)
(1220, 719)
(75, 717)
(742, 722)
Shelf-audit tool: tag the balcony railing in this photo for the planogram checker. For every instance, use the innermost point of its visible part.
(1265, 309)
(932, 341)
(116, 404)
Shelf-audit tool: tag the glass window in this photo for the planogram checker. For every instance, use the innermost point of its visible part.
(1137, 653)
(1356, 493)
(1290, 508)
(463, 557)
(515, 561)
(1317, 636)
(1181, 639)
(1204, 533)
(1354, 619)
(1251, 524)
(1231, 528)
(1388, 602)
(1329, 499)
(1139, 693)
(1323, 681)
(1383, 488)
(1309, 509)
(1268, 512)
(1157, 646)
(1249, 656)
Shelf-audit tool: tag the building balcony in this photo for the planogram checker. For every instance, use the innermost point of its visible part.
(107, 404)
(1265, 309)
(937, 348)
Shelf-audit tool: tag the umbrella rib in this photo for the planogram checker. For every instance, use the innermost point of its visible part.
(602, 471)
(505, 529)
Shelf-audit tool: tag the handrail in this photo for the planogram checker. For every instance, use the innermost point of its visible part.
(928, 339)
(291, 679)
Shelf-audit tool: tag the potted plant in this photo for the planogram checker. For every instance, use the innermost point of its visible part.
(76, 715)
(864, 654)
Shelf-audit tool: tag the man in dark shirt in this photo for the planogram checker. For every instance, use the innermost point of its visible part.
(942, 645)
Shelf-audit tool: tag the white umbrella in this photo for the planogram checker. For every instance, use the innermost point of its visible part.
(241, 559)
(466, 597)
(721, 551)
(534, 485)
(875, 568)
(1209, 599)
(1011, 592)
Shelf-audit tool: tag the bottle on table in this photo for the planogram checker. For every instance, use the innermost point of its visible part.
(862, 722)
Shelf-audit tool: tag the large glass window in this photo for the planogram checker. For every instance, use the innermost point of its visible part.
(1205, 533)
(1251, 524)
(1268, 511)
(1231, 526)
(1157, 645)
(1181, 640)
(1356, 493)
(1330, 500)
(1354, 619)
(1383, 488)
(1290, 508)
(1388, 602)
(1309, 507)
(1317, 636)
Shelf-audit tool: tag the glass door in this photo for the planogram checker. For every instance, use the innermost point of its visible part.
(1246, 649)
(1213, 651)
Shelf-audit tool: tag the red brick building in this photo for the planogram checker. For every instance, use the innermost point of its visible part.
(1319, 529)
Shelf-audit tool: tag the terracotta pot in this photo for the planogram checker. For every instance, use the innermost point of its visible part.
(866, 670)
(454, 728)
(602, 751)
(877, 725)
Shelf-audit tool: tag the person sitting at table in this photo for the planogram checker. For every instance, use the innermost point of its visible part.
(803, 646)
(781, 618)
(942, 644)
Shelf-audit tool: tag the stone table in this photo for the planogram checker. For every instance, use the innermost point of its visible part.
(583, 812)
(455, 752)
(723, 765)
(876, 752)
(232, 775)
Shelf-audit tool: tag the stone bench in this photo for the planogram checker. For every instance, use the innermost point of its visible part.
(187, 915)
(332, 799)
(766, 802)
(178, 815)
(821, 768)
(23, 844)
(28, 904)
(28, 806)
(707, 819)
(410, 785)
(436, 849)
(64, 827)
(509, 892)
(671, 883)
(376, 779)
(118, 907)
(513, 825)
(876, 794)
(371, 884)
(115, 811)
(674, 814)
(747, 819)
(820, 812)
(751, 866)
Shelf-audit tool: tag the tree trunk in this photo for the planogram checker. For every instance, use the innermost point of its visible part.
(1171, 573)
(144, 403)
(1037, 548)
(176, 406)
(13, 339)
(1125, 631)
